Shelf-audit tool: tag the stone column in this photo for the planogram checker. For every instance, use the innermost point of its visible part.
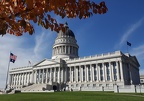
(82, 68)
(50, 75)
(39, 76)
(85, 73)
(33, 76)
(92, 72)
(14, 79)
(10, 80)
(76, 73)
(118, 75)
(27, 78)
(62, 75)
(66, 74)
(80, 73)
(98, 72)
(42, 75)
(54, 74)
(20, 79)
(46, 76)
(70, 74)
(23, 78)
(103, 68)
(58, 74)
(110, 70)
(17, 79)
(121, 71)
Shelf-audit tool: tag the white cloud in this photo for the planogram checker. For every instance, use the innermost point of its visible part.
(130, 31)
(21, 46)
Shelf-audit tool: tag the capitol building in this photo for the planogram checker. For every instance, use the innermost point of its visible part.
(67, 71)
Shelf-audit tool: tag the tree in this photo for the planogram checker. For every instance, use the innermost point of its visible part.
(16, 16)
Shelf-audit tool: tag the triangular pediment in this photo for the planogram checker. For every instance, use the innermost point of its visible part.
(47, 62)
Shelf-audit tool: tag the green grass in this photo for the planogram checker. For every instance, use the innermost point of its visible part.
(72, 96)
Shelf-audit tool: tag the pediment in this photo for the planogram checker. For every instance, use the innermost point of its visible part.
(47, 62)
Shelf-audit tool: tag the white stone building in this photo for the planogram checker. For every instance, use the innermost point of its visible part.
(66, 70)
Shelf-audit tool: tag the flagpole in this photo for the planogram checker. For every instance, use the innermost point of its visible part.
(127, 49)
(7, 74)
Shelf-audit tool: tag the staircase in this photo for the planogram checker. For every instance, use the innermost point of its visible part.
(37, 88)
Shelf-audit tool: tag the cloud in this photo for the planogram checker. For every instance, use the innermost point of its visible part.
(25, 50)
(43, 43)
(130, 31)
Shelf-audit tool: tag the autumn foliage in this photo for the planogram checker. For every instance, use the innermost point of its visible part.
(16, 16)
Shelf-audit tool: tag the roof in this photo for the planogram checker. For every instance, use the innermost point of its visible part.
(67, 33)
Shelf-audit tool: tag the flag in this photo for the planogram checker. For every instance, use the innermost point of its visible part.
(128, 43)
(12, 57)
(29, 62)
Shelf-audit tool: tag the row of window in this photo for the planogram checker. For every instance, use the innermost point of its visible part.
(88, 85)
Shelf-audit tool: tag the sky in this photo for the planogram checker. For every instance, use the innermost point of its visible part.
(98, 34)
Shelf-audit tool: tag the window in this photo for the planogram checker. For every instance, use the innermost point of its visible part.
(88, 85)
(82, 85)
(142, 80)
(108, 78)
(95, 78)
(107, 85)
(115, 77)
(101, 78)
(100, 85)
(94, 85)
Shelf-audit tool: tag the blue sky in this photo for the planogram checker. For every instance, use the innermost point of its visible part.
(99, 34)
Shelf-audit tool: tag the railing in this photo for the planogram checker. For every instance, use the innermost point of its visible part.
(98, 55)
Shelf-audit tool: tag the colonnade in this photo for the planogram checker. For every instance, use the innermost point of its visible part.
(48, 75)
(21, 78)
(65, 49)
(99, 72)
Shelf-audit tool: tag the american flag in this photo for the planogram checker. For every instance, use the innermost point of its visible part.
(12, 57)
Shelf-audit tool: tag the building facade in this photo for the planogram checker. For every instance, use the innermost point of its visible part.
(67, 71)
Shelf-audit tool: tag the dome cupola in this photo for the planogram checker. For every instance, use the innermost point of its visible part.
(65, 45)
(67, 33)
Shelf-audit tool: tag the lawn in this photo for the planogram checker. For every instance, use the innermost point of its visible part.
(72, 96)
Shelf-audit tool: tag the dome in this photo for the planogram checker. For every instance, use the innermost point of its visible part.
(67, 33)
